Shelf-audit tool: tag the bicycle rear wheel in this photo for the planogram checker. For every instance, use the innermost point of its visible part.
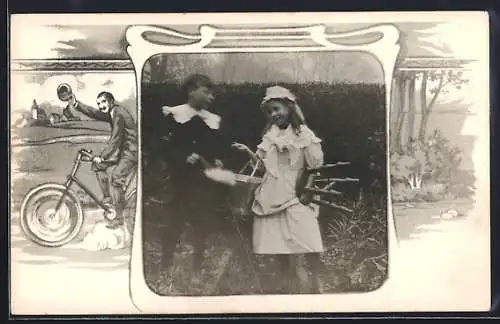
(42, 224)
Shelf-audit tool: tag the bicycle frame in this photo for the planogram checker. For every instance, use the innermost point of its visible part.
(72, 178)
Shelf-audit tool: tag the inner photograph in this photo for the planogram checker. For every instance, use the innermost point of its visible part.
(264, 173)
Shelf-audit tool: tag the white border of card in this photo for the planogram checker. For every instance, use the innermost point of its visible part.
(448, 272)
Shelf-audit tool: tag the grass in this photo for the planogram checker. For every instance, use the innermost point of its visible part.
(35, 165)
(409, 216)
(355, 259)
(37, 133)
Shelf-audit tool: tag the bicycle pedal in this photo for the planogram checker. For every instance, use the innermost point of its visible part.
(110, 214)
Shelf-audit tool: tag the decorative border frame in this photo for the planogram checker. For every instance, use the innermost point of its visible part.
(126, 65)
(381, 41)
(72, 65)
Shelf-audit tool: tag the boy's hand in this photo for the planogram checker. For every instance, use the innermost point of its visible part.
(193, 158)
(165, 110)
(219, 164)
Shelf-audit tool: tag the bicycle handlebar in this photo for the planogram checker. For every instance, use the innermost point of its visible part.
(88, 154)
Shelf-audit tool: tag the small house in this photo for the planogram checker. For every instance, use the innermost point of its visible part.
(37, 113)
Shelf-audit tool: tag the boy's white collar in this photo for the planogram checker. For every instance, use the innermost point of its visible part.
(184, 113)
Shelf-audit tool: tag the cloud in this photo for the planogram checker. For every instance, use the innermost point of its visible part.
(41, 42)
(122, 86)
(442, 40)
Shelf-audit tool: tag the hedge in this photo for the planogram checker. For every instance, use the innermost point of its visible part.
(350, 118)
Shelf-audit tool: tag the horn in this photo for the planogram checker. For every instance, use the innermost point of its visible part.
(64, 92)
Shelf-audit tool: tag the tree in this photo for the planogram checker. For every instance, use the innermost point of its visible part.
(229, 65)
(157, 68)
(411, 109)
(433, 83)
(400, 103)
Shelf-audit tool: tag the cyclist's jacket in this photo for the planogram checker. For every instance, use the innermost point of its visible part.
(123, 140)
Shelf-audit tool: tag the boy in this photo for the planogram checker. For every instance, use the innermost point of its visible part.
(193, 133)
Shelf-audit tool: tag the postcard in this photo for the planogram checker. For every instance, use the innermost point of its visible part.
(249, 163)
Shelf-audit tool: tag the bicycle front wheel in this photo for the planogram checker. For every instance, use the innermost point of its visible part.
(40, 221)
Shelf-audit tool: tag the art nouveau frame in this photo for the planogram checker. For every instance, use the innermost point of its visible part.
(384, 47)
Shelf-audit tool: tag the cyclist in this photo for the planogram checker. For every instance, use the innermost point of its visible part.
(120, 152)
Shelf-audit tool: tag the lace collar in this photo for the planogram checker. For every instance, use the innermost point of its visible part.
(289, 138)
(184, 113)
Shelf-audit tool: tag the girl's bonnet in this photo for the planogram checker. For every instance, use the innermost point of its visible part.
(278, 92)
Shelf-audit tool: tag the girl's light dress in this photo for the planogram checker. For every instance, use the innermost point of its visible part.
(282, 224)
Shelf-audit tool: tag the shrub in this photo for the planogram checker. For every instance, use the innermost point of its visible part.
(350, 119)
(432, 192)
(429, 171)
(401, 192)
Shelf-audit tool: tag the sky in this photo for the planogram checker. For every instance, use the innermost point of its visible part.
(42, 87)
(274, 67)
(35, 41)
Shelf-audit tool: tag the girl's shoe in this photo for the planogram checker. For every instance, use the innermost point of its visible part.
(316, 286)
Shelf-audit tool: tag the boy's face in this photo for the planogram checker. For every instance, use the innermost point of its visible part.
(201, 97)
(278, 112)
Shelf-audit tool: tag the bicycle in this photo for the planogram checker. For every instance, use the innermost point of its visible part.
(52, 215)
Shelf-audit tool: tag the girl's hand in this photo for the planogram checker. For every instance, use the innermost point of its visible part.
(240, 147)
(305, 199)
(193, 158)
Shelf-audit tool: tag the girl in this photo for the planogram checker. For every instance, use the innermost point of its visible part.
(283, 225)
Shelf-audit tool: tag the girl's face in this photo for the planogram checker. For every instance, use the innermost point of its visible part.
(279, 113)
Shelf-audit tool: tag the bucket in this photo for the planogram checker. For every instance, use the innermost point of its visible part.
(242, 193)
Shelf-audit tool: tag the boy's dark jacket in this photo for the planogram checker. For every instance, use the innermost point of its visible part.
(178, 141)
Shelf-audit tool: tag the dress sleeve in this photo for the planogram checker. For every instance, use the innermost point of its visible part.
(313, 150)
(263, 148)
(314, 155)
